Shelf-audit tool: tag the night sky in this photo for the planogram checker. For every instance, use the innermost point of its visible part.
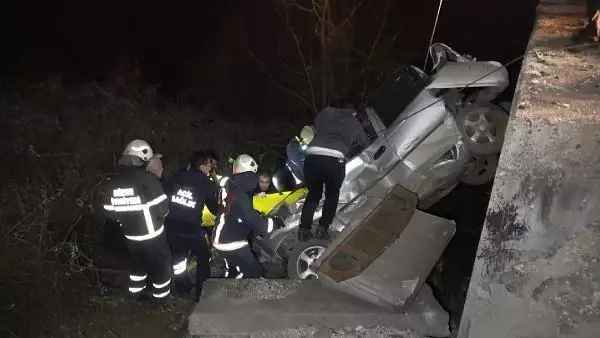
(83, 37)
(93, 39)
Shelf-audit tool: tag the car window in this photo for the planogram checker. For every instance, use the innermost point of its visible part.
(396, 94)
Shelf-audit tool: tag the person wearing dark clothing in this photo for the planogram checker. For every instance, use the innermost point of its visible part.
(189, 191)
(592, 29)
(237, 221)
(296, 153)
(264, 186)
(134, 198)
(113, 239)
(337, 131)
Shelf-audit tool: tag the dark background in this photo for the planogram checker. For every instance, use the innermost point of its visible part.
(204, 45)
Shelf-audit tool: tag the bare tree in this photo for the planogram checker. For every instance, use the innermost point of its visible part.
(323, 36)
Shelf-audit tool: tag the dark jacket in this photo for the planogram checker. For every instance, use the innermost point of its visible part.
(189, 191)
(295, 159)
(135, 198)
(337, 130)
(237, 220)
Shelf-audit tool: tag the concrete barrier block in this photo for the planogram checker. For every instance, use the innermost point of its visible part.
(395, 277)
(275, 308)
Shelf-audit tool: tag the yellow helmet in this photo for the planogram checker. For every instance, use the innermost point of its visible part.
(306, 135)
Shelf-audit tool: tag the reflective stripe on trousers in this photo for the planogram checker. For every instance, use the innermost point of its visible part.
(137, 283)
(161, 289)
(180, 267)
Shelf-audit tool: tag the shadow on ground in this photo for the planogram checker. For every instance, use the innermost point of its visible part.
(467, 206)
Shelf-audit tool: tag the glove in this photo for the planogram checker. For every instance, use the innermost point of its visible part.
(278, 222)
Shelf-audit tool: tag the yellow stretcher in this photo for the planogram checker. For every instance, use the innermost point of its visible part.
(265, 204)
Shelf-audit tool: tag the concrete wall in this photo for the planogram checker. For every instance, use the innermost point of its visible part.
(537, 272)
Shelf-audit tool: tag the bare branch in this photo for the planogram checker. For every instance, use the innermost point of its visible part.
(32, 212)
(381, 29)
(286, 19)
(347, 19)
(279, 85)
(297, 5)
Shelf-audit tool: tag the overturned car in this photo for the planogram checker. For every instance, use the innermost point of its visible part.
(427, 134)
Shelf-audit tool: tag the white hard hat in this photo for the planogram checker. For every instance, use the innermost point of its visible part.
(244, 163)
(139, 148)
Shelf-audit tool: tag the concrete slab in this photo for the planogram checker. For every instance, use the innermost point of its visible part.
(538, 262)
(355, 248)
(395, 278)
(284, 308)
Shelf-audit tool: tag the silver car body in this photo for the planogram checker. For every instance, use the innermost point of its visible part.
(422, 150)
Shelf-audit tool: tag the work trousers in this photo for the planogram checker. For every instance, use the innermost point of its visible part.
(322, 171)
(150, 259)
(241, 263)
(183, 239)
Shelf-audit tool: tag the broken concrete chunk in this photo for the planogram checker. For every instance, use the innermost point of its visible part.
(395, 277)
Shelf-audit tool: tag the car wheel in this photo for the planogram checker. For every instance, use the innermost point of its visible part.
(302, 258)
(483, 126)
(481, 170)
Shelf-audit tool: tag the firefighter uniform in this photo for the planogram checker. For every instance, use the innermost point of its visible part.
(236, 222)
(189, 191)
(135, 199)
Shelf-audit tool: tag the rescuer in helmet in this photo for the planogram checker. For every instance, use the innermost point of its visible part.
(237, 220)
(296, 152)
(189, 191)
(134, 198)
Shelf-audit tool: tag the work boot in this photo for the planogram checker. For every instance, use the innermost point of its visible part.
(322, 233)
(167, 303)
(304, 235)
(182, 288)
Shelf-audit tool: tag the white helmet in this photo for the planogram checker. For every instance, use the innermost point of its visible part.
(244, 163)
(139, 148)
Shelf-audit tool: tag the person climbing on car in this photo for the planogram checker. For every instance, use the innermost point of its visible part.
(135, 199)
(337, 132)
(189, 191)
(237, 220)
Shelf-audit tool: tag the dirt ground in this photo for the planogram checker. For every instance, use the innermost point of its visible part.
(110, 313)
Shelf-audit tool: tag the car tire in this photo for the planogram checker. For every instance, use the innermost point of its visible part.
(481, 170)
(483, 126)
(304, 253)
